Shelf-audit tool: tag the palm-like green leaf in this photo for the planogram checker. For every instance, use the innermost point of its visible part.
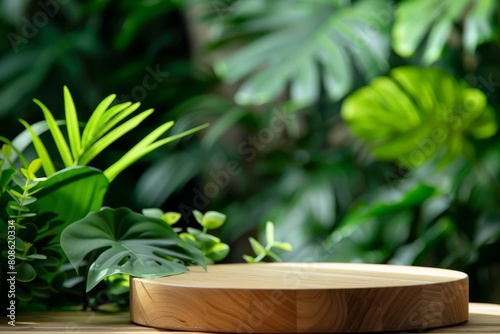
(300, 38)
(72, 124)
(113, 135)
(129, 243)
(415, 113)
(48, 166)
(105, 126)
(145, 146)
(411, 28)
(94, 120)
(61, 144)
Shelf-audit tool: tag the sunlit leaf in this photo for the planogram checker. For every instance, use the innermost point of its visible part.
(48, 166)
(95, 122)
(213, 219)
(435, 113)
(72, 124)
(61, 144)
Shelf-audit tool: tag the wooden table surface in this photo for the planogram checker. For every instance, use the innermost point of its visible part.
(302, 298)
(484, 318)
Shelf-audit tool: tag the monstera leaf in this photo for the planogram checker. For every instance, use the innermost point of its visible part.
(305, 43)
(127, 242)
(414, 113)
(441, 16)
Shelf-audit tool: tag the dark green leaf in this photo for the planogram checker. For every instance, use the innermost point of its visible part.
(126, 242)
(71, 193)
(25, 272)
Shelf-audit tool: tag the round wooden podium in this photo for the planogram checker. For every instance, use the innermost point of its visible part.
(302, 298)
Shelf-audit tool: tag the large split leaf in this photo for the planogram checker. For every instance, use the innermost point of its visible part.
(305, 43)
(414, 113)
(412, 25)
(127, 242)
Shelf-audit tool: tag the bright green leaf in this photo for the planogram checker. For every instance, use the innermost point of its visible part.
(18, 194)
(213, 219)
(282, 245)
(61, 144)
(436, 115)
(257, 247)
(35, 165)
(146, 146)
(72, 124)
(171, 217)
(27, 174)
(6, 151)
(112, 136)
(95, 122)
(218, 252)
(47, 164)
(269, 233)
(248, 259)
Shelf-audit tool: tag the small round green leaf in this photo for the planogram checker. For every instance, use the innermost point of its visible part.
(218, 252)
(35, 165)
(213, 219)
(187, 237)
(28, 174)
(6, 151)
(25, 272)
(171, 217)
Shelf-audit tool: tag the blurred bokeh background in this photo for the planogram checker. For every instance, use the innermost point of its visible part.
(292, 139)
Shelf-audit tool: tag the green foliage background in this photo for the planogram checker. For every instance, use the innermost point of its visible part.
(276, 80)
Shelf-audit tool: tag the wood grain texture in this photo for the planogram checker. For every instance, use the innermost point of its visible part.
(483, 318)
(302, 298)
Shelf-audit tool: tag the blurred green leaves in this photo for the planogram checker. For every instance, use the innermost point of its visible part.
(262, 251)
(307, 44)
(415, 113)
(438, 22)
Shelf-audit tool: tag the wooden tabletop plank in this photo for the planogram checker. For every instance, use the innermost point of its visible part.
(484, 318)
(302, 298)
